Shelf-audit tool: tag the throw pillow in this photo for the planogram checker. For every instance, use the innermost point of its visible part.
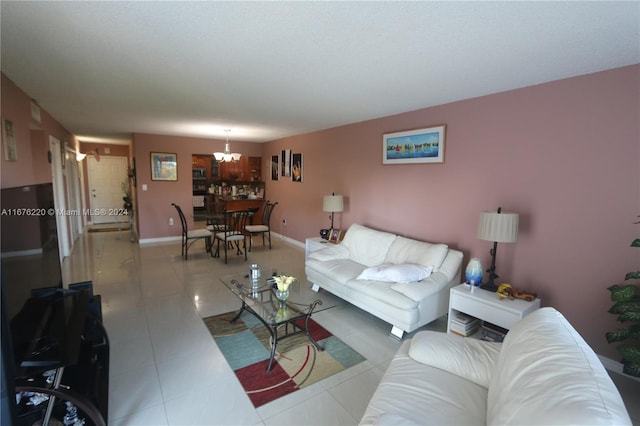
(404, 273)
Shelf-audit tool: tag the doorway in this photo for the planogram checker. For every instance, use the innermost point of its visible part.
(105, 179)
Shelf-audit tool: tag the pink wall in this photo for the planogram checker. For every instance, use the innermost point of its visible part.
(564, 155)
(154, 205)
(32, 139)
(32, 165)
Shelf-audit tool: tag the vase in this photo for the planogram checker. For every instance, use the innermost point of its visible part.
(474, 272)
(282, 295)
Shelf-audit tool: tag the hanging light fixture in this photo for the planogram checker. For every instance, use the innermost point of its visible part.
(227, 155)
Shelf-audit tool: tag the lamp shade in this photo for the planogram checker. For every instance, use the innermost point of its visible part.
(498, 227)
(332, 203)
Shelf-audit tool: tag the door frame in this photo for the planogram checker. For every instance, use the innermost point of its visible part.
(59, 198)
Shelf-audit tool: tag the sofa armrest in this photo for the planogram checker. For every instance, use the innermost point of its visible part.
(333, 252)
(472, 359)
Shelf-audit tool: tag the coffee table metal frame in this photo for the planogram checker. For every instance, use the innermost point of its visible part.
(260, 301)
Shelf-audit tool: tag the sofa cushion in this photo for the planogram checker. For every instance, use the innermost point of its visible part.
(414, 393)
(403, 273)
(472, 359)
(367, 246)
(405, 250)
(547, 374)
(332, 252)
(338, 270)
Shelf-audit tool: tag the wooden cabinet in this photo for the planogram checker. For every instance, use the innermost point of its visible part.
(248, 169)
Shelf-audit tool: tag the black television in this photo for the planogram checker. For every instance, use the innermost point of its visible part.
(30, 260)
(29, 243)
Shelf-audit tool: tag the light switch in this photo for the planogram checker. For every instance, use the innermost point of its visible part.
(144, 186)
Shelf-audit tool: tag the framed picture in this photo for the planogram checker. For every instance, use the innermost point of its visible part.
(334, 235)
(286, 163)
(164, 166)
(414, 146)
(296, 167)
(9, 141)
(275, 167)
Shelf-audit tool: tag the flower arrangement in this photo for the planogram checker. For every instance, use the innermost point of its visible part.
(284, 281)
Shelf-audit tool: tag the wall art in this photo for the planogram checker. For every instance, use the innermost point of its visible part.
(164, 166)
(9, 141)
(296, 167)
(414, 146)
(275, 167)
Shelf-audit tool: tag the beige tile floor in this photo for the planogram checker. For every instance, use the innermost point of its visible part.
(166, 369)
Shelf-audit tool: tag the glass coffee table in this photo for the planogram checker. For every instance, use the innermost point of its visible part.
(282, 319)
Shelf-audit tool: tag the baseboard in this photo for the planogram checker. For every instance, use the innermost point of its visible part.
(21, 253)
(615, 367)
(287, 239)
(159, 240)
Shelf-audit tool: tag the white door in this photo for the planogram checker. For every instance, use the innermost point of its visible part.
(105, 188)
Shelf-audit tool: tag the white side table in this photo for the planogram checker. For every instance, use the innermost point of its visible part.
(313, 244)
(487, 306)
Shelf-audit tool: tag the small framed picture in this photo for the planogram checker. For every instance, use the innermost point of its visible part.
(9, 140)
(334, 235)
(164, 166)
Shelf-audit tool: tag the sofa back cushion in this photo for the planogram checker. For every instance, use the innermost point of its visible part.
(547, 374)
(367, 246)
(406, 250)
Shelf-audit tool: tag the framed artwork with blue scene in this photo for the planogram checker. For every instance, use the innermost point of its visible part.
(414, 146)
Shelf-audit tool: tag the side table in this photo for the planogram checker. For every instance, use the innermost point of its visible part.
(312, 244)
(487, 306)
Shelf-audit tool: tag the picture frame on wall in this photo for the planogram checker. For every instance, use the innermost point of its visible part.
(286, 163)
(164, 166)
(9, 141)
(414, 146)
(275, 167)
(296, 167)
(334, 235)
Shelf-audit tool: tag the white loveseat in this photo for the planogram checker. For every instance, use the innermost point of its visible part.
(409, 302)
(543, 373)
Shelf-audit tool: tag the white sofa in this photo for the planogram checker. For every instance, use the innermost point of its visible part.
(405, 305)
(543, 373)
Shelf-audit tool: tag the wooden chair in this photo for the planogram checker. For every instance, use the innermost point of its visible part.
(191, 236)
(264, 228)
(233, 233)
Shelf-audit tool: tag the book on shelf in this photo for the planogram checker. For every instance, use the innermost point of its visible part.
(462, 318)
(492, 332)
(463, 324)
(463, 331)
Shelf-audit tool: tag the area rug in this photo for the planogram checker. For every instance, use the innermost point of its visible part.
(297, 364)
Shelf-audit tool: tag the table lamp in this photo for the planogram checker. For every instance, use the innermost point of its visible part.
(498, 227)
(334, 204)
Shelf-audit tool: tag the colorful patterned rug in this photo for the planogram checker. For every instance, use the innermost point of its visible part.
(297, 364)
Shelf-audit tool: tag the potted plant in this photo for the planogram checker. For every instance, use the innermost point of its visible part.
(627, 306)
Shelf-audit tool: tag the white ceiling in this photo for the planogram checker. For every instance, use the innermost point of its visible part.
(267, 70)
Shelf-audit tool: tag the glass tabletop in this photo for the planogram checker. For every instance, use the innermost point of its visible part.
(259, 296)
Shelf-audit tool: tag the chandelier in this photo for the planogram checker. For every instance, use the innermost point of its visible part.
(227, 155)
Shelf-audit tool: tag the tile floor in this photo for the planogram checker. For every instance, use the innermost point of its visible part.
(166, 369)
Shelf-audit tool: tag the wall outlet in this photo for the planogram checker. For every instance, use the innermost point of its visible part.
(171, 221)
(284, 222)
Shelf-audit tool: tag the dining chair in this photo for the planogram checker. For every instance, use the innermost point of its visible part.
(264, 228)
(191, 236)
(233, 233)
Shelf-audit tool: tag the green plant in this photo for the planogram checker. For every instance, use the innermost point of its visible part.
(627, 307)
